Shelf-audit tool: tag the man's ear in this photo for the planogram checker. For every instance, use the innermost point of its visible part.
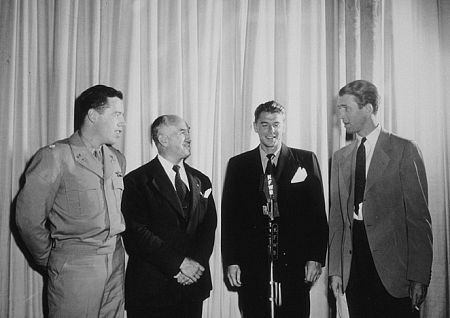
(255, 127)
(162, 139)
(369, 107)
(92, 115)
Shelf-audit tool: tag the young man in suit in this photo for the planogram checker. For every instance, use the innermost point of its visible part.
(171, 220)
(68, 212)
(380, 227)
(302, 223)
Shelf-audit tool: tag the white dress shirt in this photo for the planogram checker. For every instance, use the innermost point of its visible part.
(264, 158)
(370, 143)
(168, 168)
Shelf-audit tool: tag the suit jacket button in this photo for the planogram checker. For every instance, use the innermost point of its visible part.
(350, 252)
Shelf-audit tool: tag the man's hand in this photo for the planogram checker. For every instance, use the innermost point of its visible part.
(417, 293)
(336, 286)
(192, 269)
(234, 275)
(183, 279)
(313, 270)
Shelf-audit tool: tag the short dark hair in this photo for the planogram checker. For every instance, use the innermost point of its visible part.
(269, 107)
(165, 120)
(365, 91)
(94, 97)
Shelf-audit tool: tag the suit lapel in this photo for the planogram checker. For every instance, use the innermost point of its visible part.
(287, 164)
(347, 176)
(110, 163)
(194, 188)
(83, 156)
(380, 159)
(164, 186)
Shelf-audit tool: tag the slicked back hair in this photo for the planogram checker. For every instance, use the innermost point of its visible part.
(364, 91)
(269, 107)
(94, 97)
(163, 120)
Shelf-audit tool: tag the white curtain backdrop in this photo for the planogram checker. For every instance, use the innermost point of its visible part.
(213, 62)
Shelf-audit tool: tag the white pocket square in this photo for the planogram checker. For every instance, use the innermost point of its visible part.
(207, 193)
(300, 175)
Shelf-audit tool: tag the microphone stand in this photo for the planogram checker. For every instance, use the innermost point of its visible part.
(271, 210)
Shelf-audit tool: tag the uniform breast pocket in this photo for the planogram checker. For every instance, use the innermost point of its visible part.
(83, 199)
(118, 187)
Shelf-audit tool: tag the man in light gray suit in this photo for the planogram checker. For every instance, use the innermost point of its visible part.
(380, 227)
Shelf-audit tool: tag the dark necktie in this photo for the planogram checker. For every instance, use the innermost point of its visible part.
(270, 168)
(180, 186)
(360, 174)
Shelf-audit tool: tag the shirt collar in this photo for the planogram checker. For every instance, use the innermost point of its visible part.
(167, 165)
(263, 155)
(372, 137)
(88, 145)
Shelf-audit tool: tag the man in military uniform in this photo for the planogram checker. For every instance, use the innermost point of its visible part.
(68, 212)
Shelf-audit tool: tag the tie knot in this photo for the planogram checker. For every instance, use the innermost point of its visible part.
(270, 156)
(176, 168)
(363, 140)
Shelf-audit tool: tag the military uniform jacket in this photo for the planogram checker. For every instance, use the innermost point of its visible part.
(70, 199)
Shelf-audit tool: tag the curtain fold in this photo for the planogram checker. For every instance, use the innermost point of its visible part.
(213, 62)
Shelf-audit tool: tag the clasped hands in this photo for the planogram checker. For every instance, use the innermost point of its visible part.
(190, 272)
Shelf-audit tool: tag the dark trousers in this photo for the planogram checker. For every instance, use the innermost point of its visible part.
(254, 301)
(184, 309)
(366, 295)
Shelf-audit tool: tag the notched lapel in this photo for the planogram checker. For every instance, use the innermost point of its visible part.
(110, 163)
(162, 184)
(346, 168)
(287, 164)
(195, 189)
(380, 160)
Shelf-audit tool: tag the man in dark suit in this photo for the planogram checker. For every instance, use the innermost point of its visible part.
(302, 224)
(171, 219)
(380, 227)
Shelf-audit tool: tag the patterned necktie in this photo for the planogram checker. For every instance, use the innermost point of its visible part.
(360, 175)
(270, 168)
(180, 186)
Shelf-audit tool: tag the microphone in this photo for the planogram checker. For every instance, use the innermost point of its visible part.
(270, 189)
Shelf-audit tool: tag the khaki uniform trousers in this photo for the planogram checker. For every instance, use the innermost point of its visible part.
(86, 282)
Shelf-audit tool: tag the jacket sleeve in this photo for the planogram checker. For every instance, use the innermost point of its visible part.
(318, 220)
(418, 220)
(203, 243)
(139, 237)
(335, 222)
(35, 202)
(230, 216)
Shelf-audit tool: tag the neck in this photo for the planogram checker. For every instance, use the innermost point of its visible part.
(171, 159)
(88, 136)
(269, 150)
(370, 126)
